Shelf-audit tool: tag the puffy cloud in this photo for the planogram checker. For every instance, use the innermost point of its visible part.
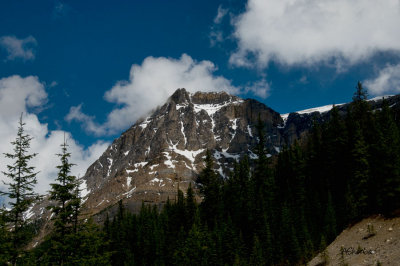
(313, 31)
(19, 48)
(387, 81)
(75, 113)
(149, 85)
(259, 88)
(19, 95)
(216, 33)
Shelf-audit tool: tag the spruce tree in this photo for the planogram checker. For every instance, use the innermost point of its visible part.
(263, 182)
(360, 94)
(257, 256)
(360, 172)
(210, 186)
(191, 207)
(330, 220)
(22, 180)
(386, 163)
(66, 205)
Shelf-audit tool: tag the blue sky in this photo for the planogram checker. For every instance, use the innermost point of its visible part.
(91, 68)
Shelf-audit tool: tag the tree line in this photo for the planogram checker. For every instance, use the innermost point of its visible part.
(281, 210)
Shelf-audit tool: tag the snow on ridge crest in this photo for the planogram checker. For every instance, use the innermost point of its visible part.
(320, 109)
(326, 108)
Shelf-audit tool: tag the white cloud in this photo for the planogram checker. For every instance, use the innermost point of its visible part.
(19, 95)
(387, 81)
(149, 85)
(76, 114)
(19, 48)
(216, 34)
(221, 13)
(313, 31)
(259, 88)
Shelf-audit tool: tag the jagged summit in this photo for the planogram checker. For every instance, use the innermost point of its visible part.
(181, 96)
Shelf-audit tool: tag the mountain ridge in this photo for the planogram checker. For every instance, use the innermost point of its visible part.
(164, 151)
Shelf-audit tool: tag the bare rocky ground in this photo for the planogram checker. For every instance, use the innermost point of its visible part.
(373, 241)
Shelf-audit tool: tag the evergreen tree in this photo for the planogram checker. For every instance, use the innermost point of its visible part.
(290, 245)
(257, 256)
(191, 207)
(385, 182)
(22, 180)
(360, 172)
(262, 176)
(361, 94)
(197, 249)
(66, 200)
(89, 246)
(337, 162)
(210, 186)
(5, 243)
(330, 220)
(263, 184)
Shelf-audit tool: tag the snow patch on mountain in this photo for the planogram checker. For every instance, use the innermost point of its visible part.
(378, 98)
(190, 155)
(128, 181)
(321, 109)
(144, 124)
(169, 162)
(84, 189)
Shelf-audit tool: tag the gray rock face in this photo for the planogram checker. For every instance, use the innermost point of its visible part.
(166, 149)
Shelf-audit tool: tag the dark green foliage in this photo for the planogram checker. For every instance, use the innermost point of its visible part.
(65, 195)
(5, 243)
(88, 246)
(20, 190)
(85, 247)
(360, 94)
(386, 163)
(197, 249)
(210, 187)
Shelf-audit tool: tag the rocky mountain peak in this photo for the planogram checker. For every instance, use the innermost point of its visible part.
(213, 98)
(166, 149)
(180, 96)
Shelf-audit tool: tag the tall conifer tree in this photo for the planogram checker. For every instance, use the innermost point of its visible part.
(211, 190)
(22, 180)
(386, 163)
(66, 199)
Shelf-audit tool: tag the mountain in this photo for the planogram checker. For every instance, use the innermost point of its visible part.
(165, 151)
